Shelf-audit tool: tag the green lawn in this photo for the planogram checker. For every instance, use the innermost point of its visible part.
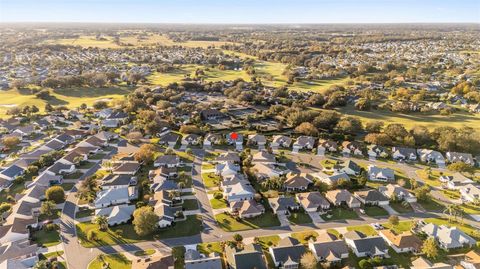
(210, 180)
(14, 189)
(218, 203)
(75, 175)
(117, 261)
(84, 213)
(86, 165)
(67, 186)
(125, 234)
(207, 166)
(401, 207)
(268, 241)
(304, 237)
(375, 211)
(365, 229)
(190, 204)
(339, 213)
(299, 217)
(334, 232)
(432, 205)
(207, 248)
(402, 226)
(431, 120)
(230, 224)
(46, 238)
(451, 194)
(470, 208)
(146, 252)
(97, 156)
(56, 214)
(432, 178)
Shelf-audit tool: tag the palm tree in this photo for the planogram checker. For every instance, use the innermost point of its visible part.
(452, 210)
(102, 222)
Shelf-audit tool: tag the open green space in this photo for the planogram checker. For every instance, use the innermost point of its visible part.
(47, 238)
(218, 203)
(401, 207)
(231, 224)
(339, 213)
(299, 217)
(431, 204)
(207, 248)
(125, 234)
(375, 211)
(210, 180)
(190, 204)
(304, 237)
(402, 226)
(117, 261)
(365, 229)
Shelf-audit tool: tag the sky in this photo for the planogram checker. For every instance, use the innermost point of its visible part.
(240, 12)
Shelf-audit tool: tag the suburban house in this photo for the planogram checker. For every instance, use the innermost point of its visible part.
(471, 260)
(11, 173)
(401, 194)
(470, 193)
(196, 260)
(169, 139)
(351, 168)
(327, 248)
(297, 182)
(423, 263)
(352, 148)
(116, 215)
(404, 242)
(59, 168)
(167, 161)
(312, 201)
(366, 246)
(342, 197)
(304, 142)
(326, 146)
(431, 156)
(227, 168)
(166, 214)
(228, 157)
(247, 208)
(283, 205)
(264, 157)
(281, 141)
(331, 179)
(212, 139)
(375, 151)
(448, 237)
(118, 196)
(287, 253)
(257, 139)
(250, 257)
(240, 191)
(371, 197)
(376, 173)
(113, 181)
(127, 168)
(18, 254)
(454, 157)
(455, 182)
(264, 171)
(191, 139)
(404, 154)
(238, 142)
(212, 114)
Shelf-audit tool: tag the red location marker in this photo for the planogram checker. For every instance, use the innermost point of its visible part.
(233, 136)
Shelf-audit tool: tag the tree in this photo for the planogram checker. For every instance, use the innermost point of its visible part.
(452, 211)
(145, 153)
(102, 222)
(349, 125)
(461, 167)
(308, 261)
(430, 248)
(393, 219)
(56, 194)
(238, 238)
(41, 264)
(365, 264)
(4, 207)
(88, 189)
(396, 131)
(144, 220)
(11, 142)
(374, 126)
(48, 208)
(422, 193)
(307, 128)
(378, 139)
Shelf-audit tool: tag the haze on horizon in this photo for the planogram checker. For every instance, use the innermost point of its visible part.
(241, 12)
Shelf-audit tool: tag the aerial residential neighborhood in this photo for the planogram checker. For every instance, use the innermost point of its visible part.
(244, 143)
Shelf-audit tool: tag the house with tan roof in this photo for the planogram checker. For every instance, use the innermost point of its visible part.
(404, 242)
(342, 197)
(297, 181)
(247, 208)
(281, 141)
(312, 201)
(423, 263)
(328, 248)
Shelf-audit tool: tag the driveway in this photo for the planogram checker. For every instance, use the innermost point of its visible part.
(316, 219)
(389, 209)
(283, 219)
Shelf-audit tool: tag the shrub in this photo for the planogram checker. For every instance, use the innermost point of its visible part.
(218, 195)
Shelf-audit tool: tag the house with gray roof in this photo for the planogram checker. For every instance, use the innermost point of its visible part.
(281, 141)
(431, 156)
(366, 246)
(191, 139)
(304, 142)
(250, 257)
(342, 197)
(196, 260)
(454, 157)
(328, 248)
(312, 201)
(375, 151)
(297, 181)
(167, 160)
(115, 196)
(228, 157)
(283, 204)
(287, 253)
(11, 172)
(116, 215)
(257, 139)
(404, 154)
(212, 139)
(371, 197)
(397, 191)
(376, 173)
(351, 168)
(448, 237)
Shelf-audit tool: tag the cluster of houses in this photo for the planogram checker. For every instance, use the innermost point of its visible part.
(22, 220)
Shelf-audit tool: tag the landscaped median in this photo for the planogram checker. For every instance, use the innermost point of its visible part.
(125, 234)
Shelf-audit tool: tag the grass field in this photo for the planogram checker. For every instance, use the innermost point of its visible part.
(132, 39)
(230, 224)
(403, 226)
(365, 229)
(71, 97)
(458, 119)
(47, 238)
(117, 261)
